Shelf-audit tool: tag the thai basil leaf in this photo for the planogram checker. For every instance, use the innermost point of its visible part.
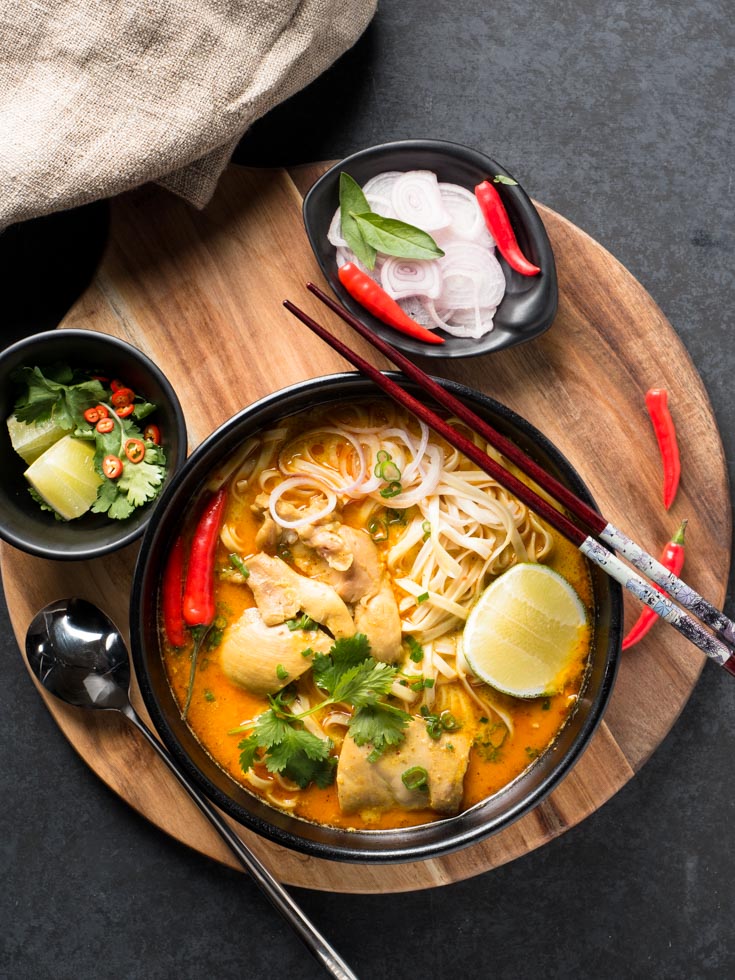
(353, 201)
(395, 237)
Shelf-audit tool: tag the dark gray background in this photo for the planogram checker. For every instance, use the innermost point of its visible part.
(618, 115)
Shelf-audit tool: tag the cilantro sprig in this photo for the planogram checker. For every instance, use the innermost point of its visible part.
(348, 674)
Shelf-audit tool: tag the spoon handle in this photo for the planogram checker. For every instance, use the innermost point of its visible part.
(273, 889)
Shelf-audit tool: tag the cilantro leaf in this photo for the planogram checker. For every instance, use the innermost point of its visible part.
(365, 683)
(347, 652)
(289, 749)
(379, 725)
(53, 394)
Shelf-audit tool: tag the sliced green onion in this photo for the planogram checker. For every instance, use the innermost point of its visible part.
(394, 515)
(281, 672)
(416, 651)
(449, 722)
(426, 528)
(390, 472)
(302, 622)
(382, 456)
(238, 564)
(377, 529)
(422, 598)
(392, 490)
(415, 778)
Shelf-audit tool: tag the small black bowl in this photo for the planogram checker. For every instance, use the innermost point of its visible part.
(413, 843)
(24, 524)
(529, 305)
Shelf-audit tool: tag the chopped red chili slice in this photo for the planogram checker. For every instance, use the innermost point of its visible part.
(102, 411)
(153, 434)
(105, 425)
(92, 416)
(112, 467)
(135, 450)
(117, 385)
(123, 396)
(125, 410)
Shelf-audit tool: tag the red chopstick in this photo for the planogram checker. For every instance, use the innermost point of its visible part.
(590, 547)
(591, 519)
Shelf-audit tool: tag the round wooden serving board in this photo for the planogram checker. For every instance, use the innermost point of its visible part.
(201, 293)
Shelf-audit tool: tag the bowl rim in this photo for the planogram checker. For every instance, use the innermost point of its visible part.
(545, 286)
(426, 840)
(123, 536)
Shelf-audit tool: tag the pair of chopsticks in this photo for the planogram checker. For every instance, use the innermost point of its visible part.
(590, 525)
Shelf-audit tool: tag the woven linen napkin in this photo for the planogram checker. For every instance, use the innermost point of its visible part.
(98, 96)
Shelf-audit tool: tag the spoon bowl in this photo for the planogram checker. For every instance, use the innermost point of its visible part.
(78, 655)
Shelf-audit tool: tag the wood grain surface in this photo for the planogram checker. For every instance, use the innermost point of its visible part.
(201, 293)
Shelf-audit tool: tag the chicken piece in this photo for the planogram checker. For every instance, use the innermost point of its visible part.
(378, 785)
(268, 535)
(377, 617)
(362, 577)
(329, 543)
(263, 659)
(280, 593)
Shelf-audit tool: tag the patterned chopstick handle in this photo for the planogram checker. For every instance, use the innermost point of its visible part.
(661, 604)
(683, 593)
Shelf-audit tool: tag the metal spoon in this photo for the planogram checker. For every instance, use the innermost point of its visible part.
(78, 655)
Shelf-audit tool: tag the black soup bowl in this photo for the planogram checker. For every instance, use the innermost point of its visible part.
(530, 302)
(409, 844)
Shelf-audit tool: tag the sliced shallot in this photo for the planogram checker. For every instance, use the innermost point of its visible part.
(416, 200)
(468, 223)
(472, 277)
(401, 278)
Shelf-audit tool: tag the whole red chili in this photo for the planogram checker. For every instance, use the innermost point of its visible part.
(498, 223)
(376, 301)
(172, 594)
(657, 403)
(673, 559)
(198, 602)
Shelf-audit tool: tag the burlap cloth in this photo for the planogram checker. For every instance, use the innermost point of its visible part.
(97, 96)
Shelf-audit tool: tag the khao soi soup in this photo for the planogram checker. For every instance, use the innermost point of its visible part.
(387, 636)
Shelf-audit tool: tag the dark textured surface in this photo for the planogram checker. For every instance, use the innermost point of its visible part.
(619, 115)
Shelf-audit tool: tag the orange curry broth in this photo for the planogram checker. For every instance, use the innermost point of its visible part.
(218, 706)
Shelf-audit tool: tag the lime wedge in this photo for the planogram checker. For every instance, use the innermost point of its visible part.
(523, 635)
(31, 439)
(65, 477)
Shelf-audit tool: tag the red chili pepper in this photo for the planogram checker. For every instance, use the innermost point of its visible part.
(198, 603)
(153, 434)
(92, 416)
(102, 411)
(135, 450)
(125, 410)
(172, 594)
(376, 301)
(657, 403)
(105, 425)
(123, 396)
(116, 385)
(498, 223)
(673, 559)
(112, 467)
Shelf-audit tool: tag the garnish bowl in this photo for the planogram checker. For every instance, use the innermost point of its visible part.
(378, 846)
(24, 524)
(530, 302)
